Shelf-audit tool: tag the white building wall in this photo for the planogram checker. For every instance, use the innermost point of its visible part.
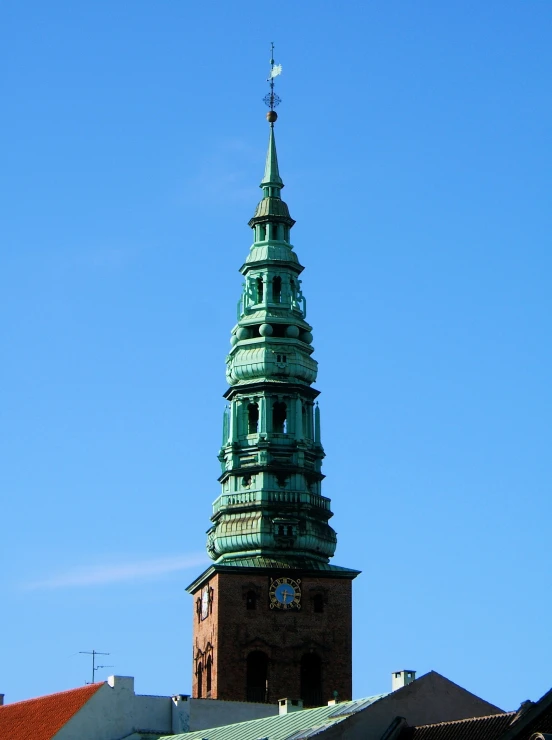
(115, 712)
(205, 713)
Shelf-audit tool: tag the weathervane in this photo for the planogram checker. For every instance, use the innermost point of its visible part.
(272, 100)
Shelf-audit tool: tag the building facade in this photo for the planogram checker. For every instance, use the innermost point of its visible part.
(272, 615)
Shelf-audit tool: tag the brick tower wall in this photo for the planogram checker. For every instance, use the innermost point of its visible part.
(231, 631)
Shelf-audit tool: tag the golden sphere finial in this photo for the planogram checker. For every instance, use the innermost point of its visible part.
(271, 116)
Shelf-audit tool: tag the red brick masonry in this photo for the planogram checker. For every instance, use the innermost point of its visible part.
(231, 632)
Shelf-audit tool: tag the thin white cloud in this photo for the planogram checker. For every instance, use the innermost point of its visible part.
(99, 575)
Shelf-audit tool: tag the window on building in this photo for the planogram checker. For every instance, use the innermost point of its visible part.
(318, 603)
(311, 680)
(279, 417)
(208, 671)
(277, 289)
(199, 680)
(251, 600)
(260, 289)
(252, 418)
(257, 676)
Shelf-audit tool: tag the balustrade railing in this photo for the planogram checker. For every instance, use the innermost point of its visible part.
(251, 498)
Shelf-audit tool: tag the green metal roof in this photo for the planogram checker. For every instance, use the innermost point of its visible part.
(305, 565)
(292, 726)
(272, 173)
(293, 563)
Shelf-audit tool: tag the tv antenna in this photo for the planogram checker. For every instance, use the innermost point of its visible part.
(272, 100)
(93, 653)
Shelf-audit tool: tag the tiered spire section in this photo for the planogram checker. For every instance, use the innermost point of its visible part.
(272, 172)
(271, 507)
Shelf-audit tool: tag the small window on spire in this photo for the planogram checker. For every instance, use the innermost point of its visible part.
(279, 418)
(252, 418)
(262, 232)
(260, 290)
(277, 289)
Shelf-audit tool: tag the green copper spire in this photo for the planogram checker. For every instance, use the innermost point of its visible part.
(272, 174)
(271, 504)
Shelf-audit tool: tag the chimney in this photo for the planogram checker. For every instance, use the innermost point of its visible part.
(402, 678)
(285, 706)
(2, 700)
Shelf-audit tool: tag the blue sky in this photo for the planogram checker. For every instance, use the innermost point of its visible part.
(414, 141)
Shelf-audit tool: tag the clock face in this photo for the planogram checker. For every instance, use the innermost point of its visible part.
(285, 593)
(205, 603)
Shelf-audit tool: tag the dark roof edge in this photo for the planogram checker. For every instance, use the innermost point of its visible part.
(347, 573)
(527, 717)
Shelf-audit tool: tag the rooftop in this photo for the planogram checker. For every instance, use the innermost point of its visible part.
(293, 726)
(43, 717)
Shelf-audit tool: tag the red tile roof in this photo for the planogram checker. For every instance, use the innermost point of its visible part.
(41, 718)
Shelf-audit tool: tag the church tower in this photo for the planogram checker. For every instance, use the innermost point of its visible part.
(272, 615)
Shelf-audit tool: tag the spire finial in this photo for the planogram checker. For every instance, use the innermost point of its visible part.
(272, 100)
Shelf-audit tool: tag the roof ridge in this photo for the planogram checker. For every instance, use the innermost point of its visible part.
(86, 687)
(467, 719)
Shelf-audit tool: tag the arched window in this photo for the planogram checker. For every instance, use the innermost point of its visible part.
(199, 680)
(277, 289)
(276, 231)
(251, 600)
(208, 671)
(318, 603)
(260, 290)
(257, 676)
(311, 680)
(279, 417)
(252, 418)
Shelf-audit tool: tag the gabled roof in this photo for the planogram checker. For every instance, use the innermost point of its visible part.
(537, 717)
(297, 725)
(475, 728)
(532, 717)
(41, 718)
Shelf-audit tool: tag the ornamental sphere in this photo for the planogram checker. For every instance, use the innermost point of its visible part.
(265, 330)
(306, 337)
(271, 116)
(243, 332)
(233, 340)
(292, 332)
